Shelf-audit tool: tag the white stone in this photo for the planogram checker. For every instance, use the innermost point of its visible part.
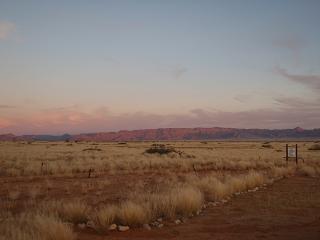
(177, 221)
(112, 227)
(123, 228)
(81, 225)
(90, 224)
(146, 226)
(160, 225)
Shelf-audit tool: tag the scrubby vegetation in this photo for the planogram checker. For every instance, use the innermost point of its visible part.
(315, 147)
(161, 149)
(267, 145)
(128, 188)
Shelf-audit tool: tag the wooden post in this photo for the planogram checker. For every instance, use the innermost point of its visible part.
(91, 170)
(287, 153)
(297, 154)
(194, 169)
(41, 168)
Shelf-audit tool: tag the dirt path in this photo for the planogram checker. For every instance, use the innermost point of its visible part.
(289, 209)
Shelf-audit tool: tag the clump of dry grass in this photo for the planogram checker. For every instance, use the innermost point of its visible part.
(314, 147)
(308, 170)
(35, 227)
(253, 179)
(75, 212)
(132, 214)
(104, 216)
(187, 200)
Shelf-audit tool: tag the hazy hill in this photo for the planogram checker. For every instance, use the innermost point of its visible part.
(215, 133)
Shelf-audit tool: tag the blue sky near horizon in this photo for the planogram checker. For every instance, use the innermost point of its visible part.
(82, 66)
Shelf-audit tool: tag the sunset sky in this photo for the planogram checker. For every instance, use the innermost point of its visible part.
(87, 66)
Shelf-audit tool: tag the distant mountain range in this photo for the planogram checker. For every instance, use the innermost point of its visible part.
(173, 134)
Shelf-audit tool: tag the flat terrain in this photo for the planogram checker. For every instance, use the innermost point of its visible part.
(289, 209)
(78, 189)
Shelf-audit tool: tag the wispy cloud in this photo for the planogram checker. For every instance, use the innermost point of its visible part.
(312, 81)
(178, 71)
(243, 98)
(6, 29)
(292, 43)
(296, 102)
(63, 120)
(7, 106)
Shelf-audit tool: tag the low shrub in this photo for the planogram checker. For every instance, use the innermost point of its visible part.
(104, 216)
(314, 147)
(267, 145)
(160, 149)
(75, 212)
(132, 214)
(35, 227)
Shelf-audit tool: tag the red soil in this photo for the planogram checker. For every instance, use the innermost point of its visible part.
(289, 209)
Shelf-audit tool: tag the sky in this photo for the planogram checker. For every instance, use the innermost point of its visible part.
(91, 66)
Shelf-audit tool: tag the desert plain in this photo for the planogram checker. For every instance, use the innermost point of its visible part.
(159, 190)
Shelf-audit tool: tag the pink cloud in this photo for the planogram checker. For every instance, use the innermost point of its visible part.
(312, 81)
(72, 121)
(6, 29)
(4, 123)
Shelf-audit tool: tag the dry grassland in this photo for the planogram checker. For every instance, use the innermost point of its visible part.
(46, 191)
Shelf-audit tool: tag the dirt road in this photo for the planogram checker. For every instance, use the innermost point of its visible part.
(289, 209)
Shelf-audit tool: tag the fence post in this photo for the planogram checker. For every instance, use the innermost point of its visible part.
(287, 153)
(41, 169)
(90, 171)
(296, 154)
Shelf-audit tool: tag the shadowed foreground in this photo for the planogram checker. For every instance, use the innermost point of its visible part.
(289, 209)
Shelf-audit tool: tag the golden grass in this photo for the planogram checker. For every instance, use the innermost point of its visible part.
(186, 200)
(35, 227)
(104, 216)
(133, 214)
(18, 159)
(179, 187)
(74, 212)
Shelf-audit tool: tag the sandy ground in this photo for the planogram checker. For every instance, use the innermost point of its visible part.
(289, 209)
